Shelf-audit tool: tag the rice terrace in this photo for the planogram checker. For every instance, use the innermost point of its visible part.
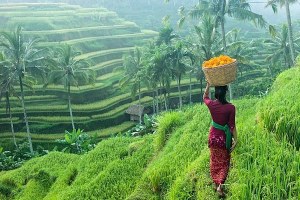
(156, 99)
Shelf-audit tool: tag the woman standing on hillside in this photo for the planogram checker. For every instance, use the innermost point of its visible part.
(220, 140)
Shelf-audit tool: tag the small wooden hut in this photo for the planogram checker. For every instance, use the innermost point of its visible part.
(135, 111)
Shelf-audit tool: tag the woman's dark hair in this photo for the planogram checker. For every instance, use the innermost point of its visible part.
(220, 93)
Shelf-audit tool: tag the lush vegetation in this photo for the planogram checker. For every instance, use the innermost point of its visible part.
(279, 111)
(73, 68)
(104, 39)
(173, 162)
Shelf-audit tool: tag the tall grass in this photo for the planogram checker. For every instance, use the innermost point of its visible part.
(185, 144)
(279, 112)
(263, 168)
(127, 168)
(108, 172)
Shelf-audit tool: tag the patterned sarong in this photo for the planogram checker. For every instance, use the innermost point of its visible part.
(219, 164)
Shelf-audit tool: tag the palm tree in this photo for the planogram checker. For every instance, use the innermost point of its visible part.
(242, 50)
(68, 71)
(205, 44)
(166, 35)
(219, 9)
(180, 60)
(195, 69)
(279, 45)
(134, 74)
(7, 81)
(25, 59)
(152, 80)
(162, 70)
(207, 41)
(286, 3)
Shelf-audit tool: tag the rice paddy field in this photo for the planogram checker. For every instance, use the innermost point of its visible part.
(173, 163)
(103, 38)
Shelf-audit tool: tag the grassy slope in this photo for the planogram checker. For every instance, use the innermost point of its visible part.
(172, 164)
(279, 113)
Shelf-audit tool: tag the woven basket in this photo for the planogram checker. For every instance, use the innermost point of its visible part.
(221, 75)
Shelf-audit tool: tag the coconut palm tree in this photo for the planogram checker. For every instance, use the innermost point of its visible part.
(179, 61)
(207, 40)
(242, 50)
(134, 74)
(166, 35)
(195, 68)
(286, 4)
(8, 78)
(68, 71)
(163, 70)
(24, 59)
(219, 9)
(152, 81)
(279, 45)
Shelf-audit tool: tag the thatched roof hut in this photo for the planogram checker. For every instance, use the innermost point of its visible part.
(135, 111)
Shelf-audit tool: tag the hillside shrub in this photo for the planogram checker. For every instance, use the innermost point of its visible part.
(148, 127)
(77, 142)
(13, 159)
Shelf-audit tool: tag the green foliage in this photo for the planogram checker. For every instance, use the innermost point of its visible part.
(77, 142)
(148, 127)
(263, 168)
(279, 112)
(166, 125)
(13, 159)
(127, 167)
(195, 182)
(173, 163)
(102, 173)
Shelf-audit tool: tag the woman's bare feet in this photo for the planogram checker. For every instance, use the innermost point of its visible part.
(215, 187)
(220, 191)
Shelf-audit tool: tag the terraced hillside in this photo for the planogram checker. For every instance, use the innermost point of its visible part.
(174, 162)
(102, 38)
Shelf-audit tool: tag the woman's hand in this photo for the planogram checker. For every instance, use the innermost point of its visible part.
(207, 84)
(234, 142)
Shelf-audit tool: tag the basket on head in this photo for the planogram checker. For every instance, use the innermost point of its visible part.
(221, 75)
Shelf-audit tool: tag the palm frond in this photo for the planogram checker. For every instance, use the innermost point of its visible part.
(243, 14)
(272, 31)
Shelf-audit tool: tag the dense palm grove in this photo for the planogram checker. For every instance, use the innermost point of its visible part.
(154, 67)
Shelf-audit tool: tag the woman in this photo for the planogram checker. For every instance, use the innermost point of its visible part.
(223, 116)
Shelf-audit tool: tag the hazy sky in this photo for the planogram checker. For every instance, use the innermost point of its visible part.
(280, 17)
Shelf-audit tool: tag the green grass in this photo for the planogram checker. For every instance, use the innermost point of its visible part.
(75, 33)
(97, 175)
(279, 112)
(171, 164)
(92, 39)
(50, 137)
(92, 28)
(56, 13)
(103, 53)
(107, 64)
(96, 106)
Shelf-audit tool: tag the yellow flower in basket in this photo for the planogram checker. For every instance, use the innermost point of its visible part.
(220, 70)
(218, 61)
